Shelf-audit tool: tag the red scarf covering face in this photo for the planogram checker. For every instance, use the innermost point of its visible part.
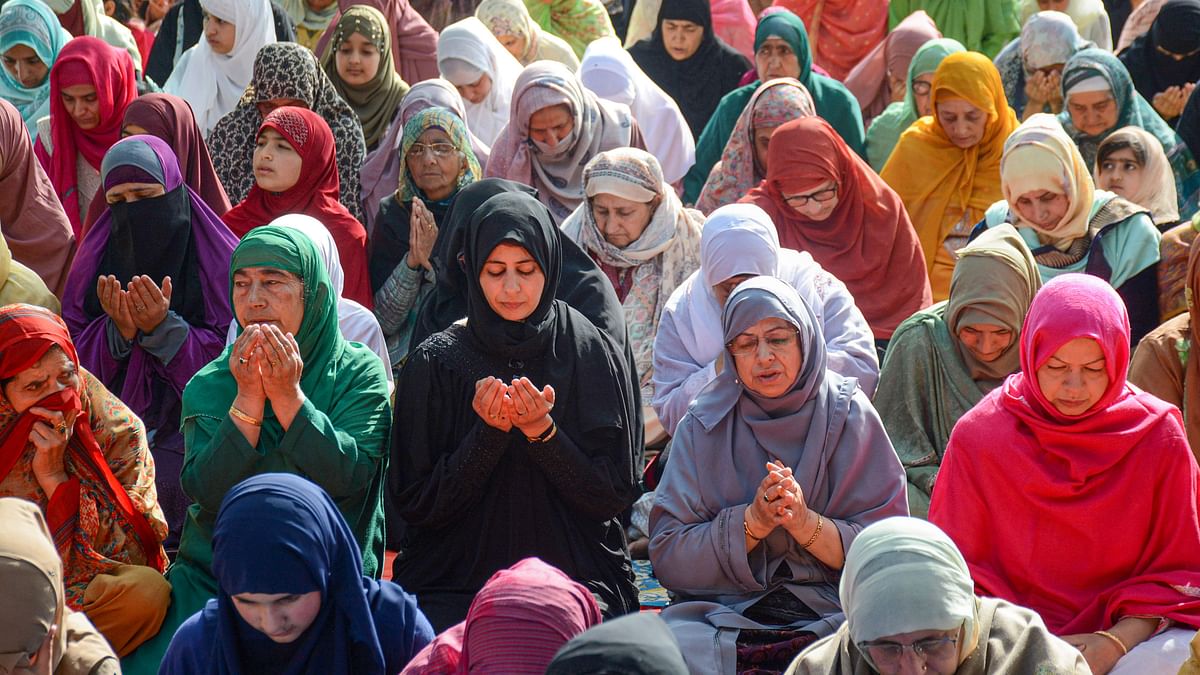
(86, 60)
(315, 194)
(26, 334)
(868, 241)
(1085, 519)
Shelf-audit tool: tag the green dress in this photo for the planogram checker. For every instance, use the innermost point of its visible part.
(980, 25)
(338, 439)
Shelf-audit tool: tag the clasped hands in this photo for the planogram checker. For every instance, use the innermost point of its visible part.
(779, 502)
(266, 364)
(142, 306)
(1170, 102)
(518, 404)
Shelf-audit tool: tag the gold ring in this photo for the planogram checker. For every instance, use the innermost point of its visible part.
(492, 416)
(139, 308)
(768, 501)
(242, 361)
(62, 428)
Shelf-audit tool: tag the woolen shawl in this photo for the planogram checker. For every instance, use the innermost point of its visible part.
(843, 32)
(867, 241)
(469, 43)
(937, 180)
(32, 219)
(32, 24)
(376, 102)
(1077, 474)
(511, 17)
(870, 80)
(557, 175)
(1157, 190)
(1176, 30)
(414, 41)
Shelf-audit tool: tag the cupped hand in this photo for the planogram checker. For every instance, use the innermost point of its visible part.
(528, 407)
(115, 303)
(281, 364)
(150, 302)
(488, 403)
(246, 363)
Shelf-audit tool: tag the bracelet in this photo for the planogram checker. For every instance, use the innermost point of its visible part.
(545, 436)
(746, 527)
(816, 533)
(238, 414)
(1114, 638)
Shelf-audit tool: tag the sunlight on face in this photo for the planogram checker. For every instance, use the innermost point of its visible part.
(1075, 378)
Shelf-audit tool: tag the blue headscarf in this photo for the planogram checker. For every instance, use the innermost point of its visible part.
(33, 24)
(280, 533)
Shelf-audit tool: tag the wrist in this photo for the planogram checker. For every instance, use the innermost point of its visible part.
(752, 527)
(251, 405)
(537, 429)
(51, 482)
(411, 262)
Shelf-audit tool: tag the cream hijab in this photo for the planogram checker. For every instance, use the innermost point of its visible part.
(1157, 191)
(1040, 155)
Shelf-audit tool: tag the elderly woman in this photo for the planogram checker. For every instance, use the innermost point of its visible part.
(438, 162)
(42, 634)
(796, 455)
(644, 241)
(291, 395)
(72, 448)
(146, 297)
(519, 429)
(739, 242)
(292, 591)
(555, 126)
(1072, 227)
(1073, 430)
(906, 586)
(1031, 66)
(943, 360)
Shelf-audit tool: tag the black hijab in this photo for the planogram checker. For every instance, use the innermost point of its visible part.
(638, 644)
(698, 82)
(1176, 30)
(1188, 126)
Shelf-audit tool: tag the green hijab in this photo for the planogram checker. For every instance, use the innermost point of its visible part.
(886, 129)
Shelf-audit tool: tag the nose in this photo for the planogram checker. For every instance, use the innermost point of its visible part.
(256, 297)
(911, 664)
(273, 621)
(511, 284)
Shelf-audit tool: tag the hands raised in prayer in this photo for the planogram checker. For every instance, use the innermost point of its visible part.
(1170, 102)
(778, 502)
(266, 364)
(422, 234)
(141, 307)
(519, 405)
(1043, 88)
(50, 435)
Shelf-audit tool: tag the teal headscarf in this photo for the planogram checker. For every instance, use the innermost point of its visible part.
(452, 124)
(833, 101)
(33, 24)
(886, 129)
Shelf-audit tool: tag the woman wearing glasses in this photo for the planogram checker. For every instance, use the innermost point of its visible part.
(774, 470)
(945, 629)
(825, 200)
(438, 162)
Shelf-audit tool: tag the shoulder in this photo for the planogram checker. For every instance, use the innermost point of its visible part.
(1017, 639)
(983, 422)
(916, 333)
(1169, 333)
(737, 98)
(190, 650)
(44, 135)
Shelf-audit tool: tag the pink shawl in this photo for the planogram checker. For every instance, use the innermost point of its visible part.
(869, 81)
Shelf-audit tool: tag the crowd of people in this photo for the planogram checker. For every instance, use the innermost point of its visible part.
(361, 336)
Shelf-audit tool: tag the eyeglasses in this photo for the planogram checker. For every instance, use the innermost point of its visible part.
(777, 341)
(886, 653)
(820, 196)
(439, 150)
(922, 88)
(1176, 56)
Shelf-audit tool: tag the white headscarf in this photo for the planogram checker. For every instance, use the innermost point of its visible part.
(213, 83)
(1089, 16)
(356, 322)
(466, 51)
(1157, 191)
(610, 73)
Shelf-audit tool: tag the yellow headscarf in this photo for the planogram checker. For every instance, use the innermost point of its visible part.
(18, 283)
(1041, 156)
(939, 181)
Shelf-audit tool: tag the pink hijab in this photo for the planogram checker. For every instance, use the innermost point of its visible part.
(414, 41)
(869, 80)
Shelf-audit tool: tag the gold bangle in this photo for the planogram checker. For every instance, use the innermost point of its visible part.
(1114, 638)
(545, 436)
(746, 527)
(816, 533)
(239, 415)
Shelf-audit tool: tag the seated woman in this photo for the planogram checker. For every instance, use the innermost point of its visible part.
(826, 201)
(32, 221)
(1164, 62)
(483, 72)
(1072, 227)
(42, 634)
(146, 298)
(213, 74)
(638, 644)
(360, 65)
(413, 41)
(1031, 66)
(292, 395)
(516, 31)
(296, 172)
(555, 127)
(72, 141)
(438, 162)
(292, 592)
(905, 585)
(644, 241)
(183, 26)
(1073, 430)
(797, 454)
(878, 79)
(943, 360)
(781, 49)
(287, 74)
(885, 130)
(481, 470)
(946, 167)
(744, 161)
(739, 242)
(30, 40)
(516, 623)
(73, 449)
(1101, 99)
(689, 61)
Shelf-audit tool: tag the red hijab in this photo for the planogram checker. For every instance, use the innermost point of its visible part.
(85, 60)
(868, 241)
(1084, 519)
(315, 194)
(26, 334)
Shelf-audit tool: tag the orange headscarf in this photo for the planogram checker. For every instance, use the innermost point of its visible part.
(937, 180)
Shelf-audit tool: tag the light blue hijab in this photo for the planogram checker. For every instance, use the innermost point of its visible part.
(33, 24)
